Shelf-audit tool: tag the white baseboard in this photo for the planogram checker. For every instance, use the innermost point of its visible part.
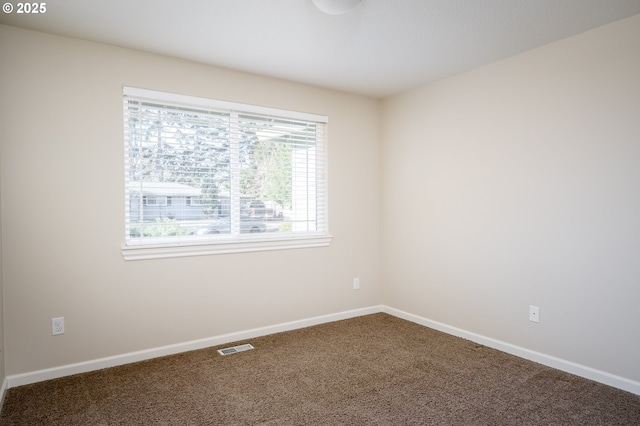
(548, 360)
(113, 361)
(3, 390)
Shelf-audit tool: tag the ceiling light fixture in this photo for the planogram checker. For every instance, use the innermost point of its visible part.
(335, 7)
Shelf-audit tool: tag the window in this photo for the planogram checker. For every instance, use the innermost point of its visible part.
(154, 201)
(193, 201)
(239, 177)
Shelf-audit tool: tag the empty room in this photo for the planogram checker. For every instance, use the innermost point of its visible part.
(320, 212)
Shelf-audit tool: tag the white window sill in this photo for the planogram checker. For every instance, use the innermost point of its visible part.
(161, 251)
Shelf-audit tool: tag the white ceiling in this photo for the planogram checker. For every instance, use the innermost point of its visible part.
(380, 48)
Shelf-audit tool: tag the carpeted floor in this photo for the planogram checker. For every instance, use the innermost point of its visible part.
(371, 370)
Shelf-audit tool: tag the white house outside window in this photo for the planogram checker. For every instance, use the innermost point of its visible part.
(239, 177)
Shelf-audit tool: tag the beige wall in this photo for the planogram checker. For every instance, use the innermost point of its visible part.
(2, 366)
(63, 210)
(517, 184)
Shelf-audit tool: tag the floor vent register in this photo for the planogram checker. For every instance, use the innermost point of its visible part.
(235, 349)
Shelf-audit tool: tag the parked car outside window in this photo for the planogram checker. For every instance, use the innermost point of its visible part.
(254, 209)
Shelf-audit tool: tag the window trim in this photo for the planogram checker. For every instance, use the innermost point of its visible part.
(142, 250)
(163, 251)
(195, 101)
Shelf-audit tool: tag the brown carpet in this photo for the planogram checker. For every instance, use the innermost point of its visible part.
(371, 370)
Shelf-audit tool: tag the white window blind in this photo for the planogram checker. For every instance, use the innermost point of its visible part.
(238, 177)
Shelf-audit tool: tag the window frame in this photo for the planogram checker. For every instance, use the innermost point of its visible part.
(146, 200)
(193, 201)
(134, 249)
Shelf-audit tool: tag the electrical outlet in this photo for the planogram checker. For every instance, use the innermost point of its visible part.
(534, 313)
(57, 326)
(356, 283)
